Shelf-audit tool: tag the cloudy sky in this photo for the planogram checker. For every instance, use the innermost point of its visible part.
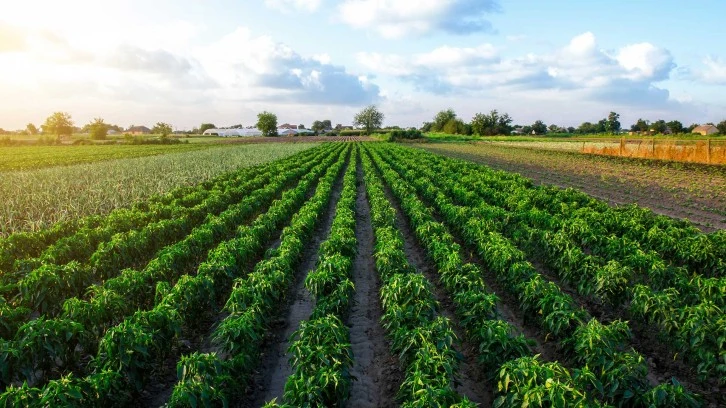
(222, 61)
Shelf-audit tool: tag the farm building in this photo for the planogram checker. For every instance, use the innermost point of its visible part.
(138, 130)
(705, 130)
(233, 132)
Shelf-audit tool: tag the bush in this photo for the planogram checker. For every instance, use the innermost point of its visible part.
(352, 132)
(406, 134)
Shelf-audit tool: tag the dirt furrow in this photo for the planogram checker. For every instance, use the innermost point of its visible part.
(375, 370)
(269, 380)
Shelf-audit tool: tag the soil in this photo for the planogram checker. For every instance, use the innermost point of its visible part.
(375, 370)
(274, 368)
(666, 188)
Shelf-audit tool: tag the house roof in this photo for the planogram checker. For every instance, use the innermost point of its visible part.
(704, 128)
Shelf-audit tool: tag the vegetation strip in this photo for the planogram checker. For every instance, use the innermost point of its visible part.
(125, 352)
(214, 379)
(594, 345)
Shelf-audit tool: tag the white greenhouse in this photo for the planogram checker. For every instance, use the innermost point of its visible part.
(233, 132)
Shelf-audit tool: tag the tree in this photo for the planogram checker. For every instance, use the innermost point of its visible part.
(206, 126)
(267, 123)
(659, 126)
(587, 128)
(641, 125)
(491, 124)
(571, 129)
(338, 127)
(370, 118)
(722, 127)
(162, 128)
(553, 128)
(675, 126)
(59, 124)
(300, 126)
(441, 119)
(317, 126)
(612, 123)
(539, 128)
(31, 129)
(327, 125)
(98, 129)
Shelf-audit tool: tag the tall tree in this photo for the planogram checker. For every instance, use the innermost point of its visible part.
(441, 119)
(317, 126)
(641, 125)
(612, 123)
(539, 127)
(659, 126)
(722, 127)
(162, 128)
(267, 123)
(675, 126)
(98, 129)
(206, 126)
(59, 124)
(31, 129)
(370, 118)
(327, 125)
(491, 124)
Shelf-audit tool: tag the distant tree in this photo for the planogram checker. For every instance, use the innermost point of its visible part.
(641, 125)
(427, 126)
(370, 118)
(206, 126)
(300, 126)
(553, 128)
(612, 123)
(690, 128)
(587, 128)
(722, 127)
(527, 130)
(267, 123)
(675, 126)
(162, 128)
(659, 126)
(58, 124)
(338, 126)
(327, 125)
(98, 129)
(317, 126)
(441, 119)
(491, 124)
(31, 129)
(539, 128)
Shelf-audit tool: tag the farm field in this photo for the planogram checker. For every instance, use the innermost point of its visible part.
(38, 198)
(692, 191)
(365, 275)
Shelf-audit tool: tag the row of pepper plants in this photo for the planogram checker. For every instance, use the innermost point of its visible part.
(213, 379)
(51, 341)
(45, 291)
(691, 310)
(522, 377)
(321, 355)
(422, 338)
(611, 372)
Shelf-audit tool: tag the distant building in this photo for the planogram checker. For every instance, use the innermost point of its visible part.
(287, 126)
(705, 130)
(138, 130)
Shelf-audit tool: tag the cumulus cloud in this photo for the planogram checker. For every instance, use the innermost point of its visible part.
(396, 19)
(629, 75)
(289, 6)
(241, 61)
(714, 71)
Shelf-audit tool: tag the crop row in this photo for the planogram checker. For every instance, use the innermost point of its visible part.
(126, 350)
(209, 379)
(611, 372)
(418, 334)
(321, 355)
(691, 311)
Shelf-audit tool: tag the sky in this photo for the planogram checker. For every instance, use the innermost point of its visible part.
(187, 62)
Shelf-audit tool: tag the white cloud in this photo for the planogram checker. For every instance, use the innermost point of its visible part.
(289, 6)
(579, 69)
(396, 19)
(714, 71)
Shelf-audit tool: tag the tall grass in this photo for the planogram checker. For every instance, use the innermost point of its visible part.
(34, 199)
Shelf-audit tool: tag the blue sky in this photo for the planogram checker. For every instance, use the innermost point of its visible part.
(192, 61)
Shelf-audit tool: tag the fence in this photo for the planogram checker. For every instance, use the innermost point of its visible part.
(694, 151)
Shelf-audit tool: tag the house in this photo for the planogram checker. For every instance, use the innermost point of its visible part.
(518, 131)
(138, 130)
(705, 130)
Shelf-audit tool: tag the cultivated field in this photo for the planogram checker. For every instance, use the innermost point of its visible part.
(692, 191)
(34, 199)
(365, 275)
